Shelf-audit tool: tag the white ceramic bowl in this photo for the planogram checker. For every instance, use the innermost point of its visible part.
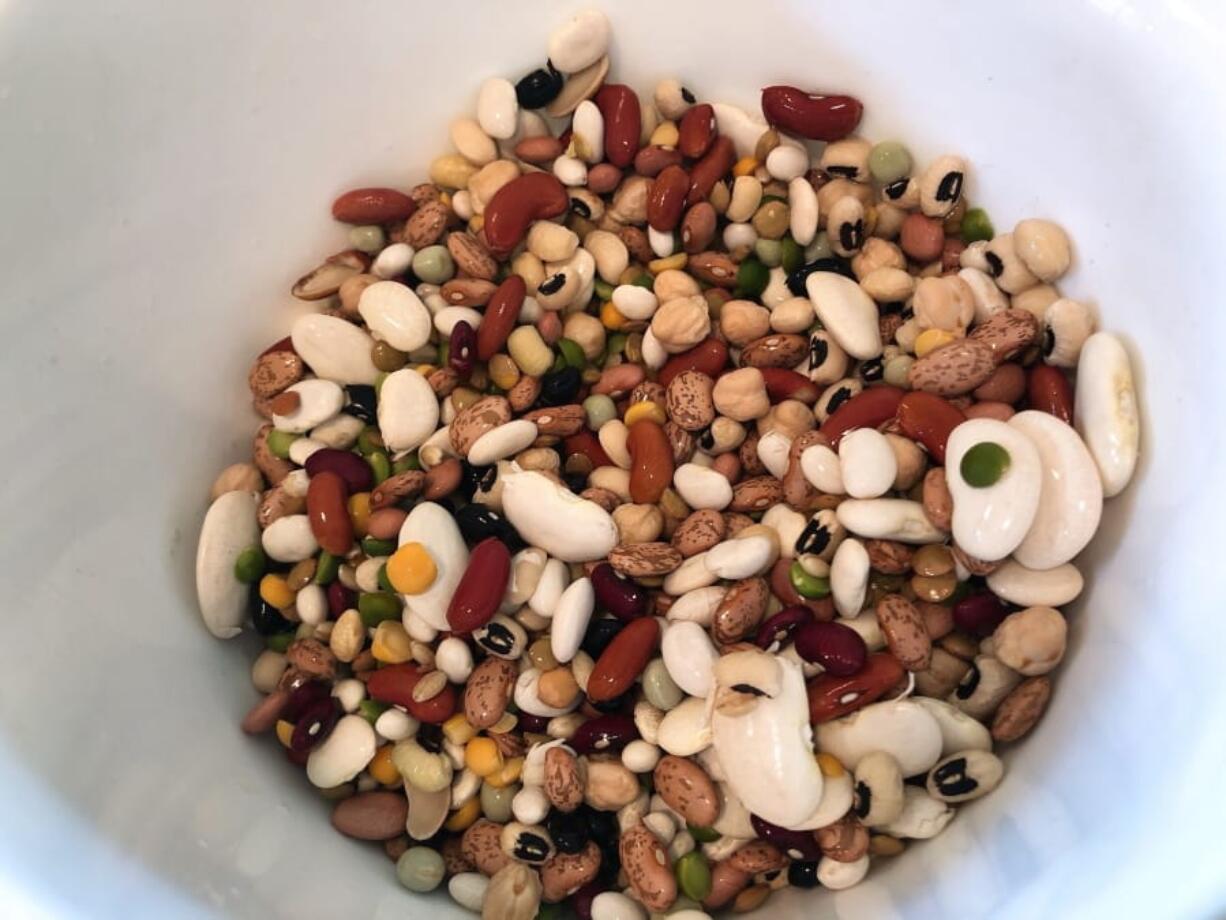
(167, 171)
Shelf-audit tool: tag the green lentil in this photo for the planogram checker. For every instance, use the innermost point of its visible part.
(373, 546)
(659, 688)
(819, 248)
(434, 265)
(279, 642)
(380, 464)
(386, 358)
(602, 289)
(807, 585)
(279, 442)
(420, 869)
(703, 834)
(377, 607)
(370, 710)
(889, 161)
(976, 226)
(406, 463)
(751, 278)
(769, 251)
(571, 353)
(250, 564)
(984, 464)
(369, 441)
(694, 875)
(368, 238)
(791, 255)
(496, 803)
(645, 280)
(600, 409)
(326, 568)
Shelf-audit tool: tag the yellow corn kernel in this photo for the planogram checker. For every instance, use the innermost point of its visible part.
(481, 755)
(666, 134)
(382, 768)
(612, 317)
(425, 369)
(509, 773)
(645, 409)
(475, 223)
(464, 816)
(458, 730)
(411, 569)
(359, 512)
(285, 731)
(444, 198)
(932, 339)
(276, 592)
(503, 371)
(392, 644)
(655, 266)
(830, 766)
(745, 166)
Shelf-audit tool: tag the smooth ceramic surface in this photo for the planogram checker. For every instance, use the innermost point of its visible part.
(167, 174)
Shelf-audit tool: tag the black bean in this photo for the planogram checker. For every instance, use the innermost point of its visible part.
(802, 873)
(267, 619)
(599, 634)
(569, 831)
(476, 522)
(559, 388)
(361, 403)
(796, 280)
(430, 737)
(539, 88)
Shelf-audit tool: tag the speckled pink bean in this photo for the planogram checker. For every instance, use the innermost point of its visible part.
(550, 327)
(997, 410)
(619, 379)
(384, 524)
(603, 178)
(729, 465)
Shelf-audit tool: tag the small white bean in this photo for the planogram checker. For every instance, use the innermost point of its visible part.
(821, 467)
(803, 210)
(393, 261)
(349, 693)
(587, 132)
(788, 162)
(570, 171)
(867, 463)
(530, 805)
(663, 242)
(455, 659)
(689, 656)
(634, 301)
(640, 756)
(497, 108)
(289, 539)
(740, 558)
(701, 487)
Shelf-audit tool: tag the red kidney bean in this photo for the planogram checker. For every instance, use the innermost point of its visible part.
(716, 164)
(540, 149)
(1007, 384)
(623, 660)
(651, 161)
(866, 409)
(344, 463)
(782, 383)
(619, 105)
(604, 734)
(500, 315)
(586, 443)
(304, 697)
(462, 348)
(481, 587)
(697, 130)
(1049, 391)
(326, 500)
(603, 178)
(837, 648)
(651, 461)
(709, 356)
(340, 599)
(979, 614)
(797, 844)
(373, 206)
(532, 196)
(314, 724)
(395, 683)
(927, 418)
(817, 117)
(831, 696)
(285, 344)
(921, 238)
(777, 629)
(666, 199)
(625, 599)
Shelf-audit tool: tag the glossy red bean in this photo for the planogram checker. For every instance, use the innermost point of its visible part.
(666, 199)
(619, 105)
(344, 463)
(837, 648)
(481, 587)
(373, 206)
(866, 409)
(782, 383)
(603, 178)
(651, 161)
(710, 169)
(831, 696)
(340, 599)
(1048, 390)
(796, 844)
(817, 117)
(778, 628)
(979, 614)
(625, 599)
(651, 461)
(395, 683)
(604, 734)
(928, 419)
(709, 356)
(462, 349)
(696, 130)
(586, 443)
(314, 724)
(500, 315)
(326, 500)
(623, 660)
(532, 196)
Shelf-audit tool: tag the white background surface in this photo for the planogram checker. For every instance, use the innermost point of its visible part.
(167, 172)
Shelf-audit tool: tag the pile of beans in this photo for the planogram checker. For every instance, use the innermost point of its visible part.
(669, 503)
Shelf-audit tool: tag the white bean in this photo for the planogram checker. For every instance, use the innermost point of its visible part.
(289, 539)
(555, 519)
(867, 463)
(571, 616)
(334, 349)
(822, 469)
(433, 526)
(579, 42)
(497, 108)
(394, 313)
(689, 656)
(849, 571)
(1105, 412)
(847, 312)
(343, 754)
(229, 527)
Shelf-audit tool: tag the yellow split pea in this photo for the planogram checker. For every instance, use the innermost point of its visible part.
(411, 570)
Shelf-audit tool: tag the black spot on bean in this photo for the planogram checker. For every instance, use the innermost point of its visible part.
(796, 280)
(872, 370)
(750, 689)
(952, 780)
(840, 396)
(851, 235)
(706, 440)
(819, 350)
(430, 737)
(863, 800)
(1049, 342)
(813, 539)
(996, 265)
(950, 187)
(496, 638)
(580, 207)
(539, 88)
(969, 683)
(896, 189)
(531, 848)
(845, 172)
(552, 284)
(689, 97)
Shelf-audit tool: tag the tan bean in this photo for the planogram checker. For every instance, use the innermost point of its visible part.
(237, 477)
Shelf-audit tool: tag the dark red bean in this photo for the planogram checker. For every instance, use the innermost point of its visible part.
(481, 587)
(314, 725)
(340, 599)
(776, 630)
(345, 464)
(285, 344)
(709, 356)
(979, 614)
(303, 697)
(462, 349)
(1049, 391)
(530, 723)
(625, 599)
(604, 734)
(837, 648)
(581, 900)
(866, 409)
(831, 696)
(819, 118)
(796, 844)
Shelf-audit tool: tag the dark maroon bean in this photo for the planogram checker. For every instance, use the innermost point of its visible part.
(581, 900)
(304, 697)
(314, 725)
(979, 614)
(776, 630)
(340, 599)
(837, 648)
(530, 723)
(604, 734)
(625, 599)
(797, 844)
(462, 349)
(345, 464)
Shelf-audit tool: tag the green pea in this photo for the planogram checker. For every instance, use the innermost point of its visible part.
(645, 280)
(326, 568)
(807, 585)
(769, 251)
(703, 834)
(377, 607)
(369, 441)
(767, 199)
(380, 464)
(279, 442)
(249, 566)
(370, 710)
(572, 355)
(406, 463)
(279, 642)
(385, 583)
(752, 278)
(600, 409)
(368, 238)
(819, 248)
(602, 289)
(420, 869)
(433, 265)
(694, 875)
(791, 255)
(373, 546)
(889, 161)
(976, 225)
(984, 464)
(496, 803)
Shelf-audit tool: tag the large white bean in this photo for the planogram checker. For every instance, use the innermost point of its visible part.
(229, 527)
(990, 522)
(867, 463)
(555, 519)
(740, 558)
(1025, 587)
(318, 401)
(773, 450)
(691, 574)
(685, 730)
(849, 571)
(847, 312)
(395, 314)
(822, 469)
(501, 442)
(689, 657)
(743, 128)
(697, 606)
(888, 519)
(408, 410)
(497, 108)
(959, 732)
(901, 728)
(289, 539)
(802, 203)
(334, 349)
(571, 616)
(587, 132)
(579, 42)
(550, 586)
(1105, 412)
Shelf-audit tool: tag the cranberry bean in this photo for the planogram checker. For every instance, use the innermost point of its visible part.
(710, 169)
(585, 443)
(817, 117)
(928, 419)
(866, 409)
(777, 629)
(303, 697)
(979, 614)
(837, 648)
(442, 480)
(831, 696)
(604, 734)
(625, 599)
(782, 384)
(373, 206)
(326, 505)
(666, 199)
(651, 161)
(1049, 390)
(921, 238)
(533, 196)
(313, 725)
(796, 844)
(395, 683)
(500, 315)
(340, 599)
(462, 348)
(344, 463)
(619, 105)
(540, 149)
(651, 459)
(697, 130)
(709, 357)
(481, 587)
(623, 660)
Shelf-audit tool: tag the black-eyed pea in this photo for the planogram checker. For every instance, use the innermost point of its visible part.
(1044, 248)
(609, 252)
(551, 242)
(672, 99)
(1031, 641)
(1066, 326)
(587, 332)
(527, 843)
(985, 686)
(878, 789)
(836, 395)
(1006, 266)
(945, 303)
(940, 187)
(793, 315)
(845, 226)
(964, 776)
